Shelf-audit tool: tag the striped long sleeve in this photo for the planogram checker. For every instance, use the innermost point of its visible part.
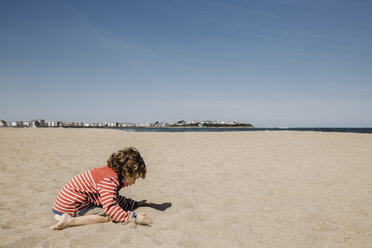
(78, 194)
(107, 188)
(99, 187)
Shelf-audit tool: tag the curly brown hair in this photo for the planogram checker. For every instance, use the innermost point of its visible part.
(129, 162)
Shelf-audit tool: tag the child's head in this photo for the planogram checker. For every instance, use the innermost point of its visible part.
(128, 163)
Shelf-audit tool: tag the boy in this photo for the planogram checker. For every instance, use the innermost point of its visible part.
(92, 197)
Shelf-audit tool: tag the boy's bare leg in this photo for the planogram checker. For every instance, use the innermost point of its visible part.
(67, 221)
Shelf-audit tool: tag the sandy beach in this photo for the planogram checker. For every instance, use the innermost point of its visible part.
(230, 189)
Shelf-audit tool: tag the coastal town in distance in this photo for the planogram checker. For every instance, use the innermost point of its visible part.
(70, 124)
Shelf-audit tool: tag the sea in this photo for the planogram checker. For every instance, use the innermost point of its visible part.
(244, 129)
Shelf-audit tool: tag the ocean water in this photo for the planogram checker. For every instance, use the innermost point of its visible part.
(243, 129)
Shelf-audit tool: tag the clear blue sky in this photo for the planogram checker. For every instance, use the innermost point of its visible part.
(294, 63)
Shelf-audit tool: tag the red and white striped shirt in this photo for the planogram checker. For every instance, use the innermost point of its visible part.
(99, 187)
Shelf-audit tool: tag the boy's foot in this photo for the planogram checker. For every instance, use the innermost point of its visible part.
(63, 222)
(57, 217)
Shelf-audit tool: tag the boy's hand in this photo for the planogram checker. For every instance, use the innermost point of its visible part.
(142, 219)
(144, 203)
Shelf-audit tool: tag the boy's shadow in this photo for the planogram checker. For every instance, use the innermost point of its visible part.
(160, 207)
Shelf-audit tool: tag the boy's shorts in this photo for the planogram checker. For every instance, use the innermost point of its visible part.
(94, 210)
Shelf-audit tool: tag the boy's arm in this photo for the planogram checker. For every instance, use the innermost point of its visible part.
(127, 203)
(107, 188)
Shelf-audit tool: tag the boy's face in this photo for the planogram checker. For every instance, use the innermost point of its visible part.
(130, 180)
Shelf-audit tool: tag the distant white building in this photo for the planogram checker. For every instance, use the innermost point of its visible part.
(26, 123)
(125, 124)
(110, 124)
(144, 125)
(3, 124)
(38, 123)
(15, 124)
(51, 124)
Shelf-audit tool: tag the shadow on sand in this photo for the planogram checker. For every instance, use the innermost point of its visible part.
(160, 207)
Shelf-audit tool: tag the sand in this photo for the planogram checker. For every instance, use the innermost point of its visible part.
(234, 189)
